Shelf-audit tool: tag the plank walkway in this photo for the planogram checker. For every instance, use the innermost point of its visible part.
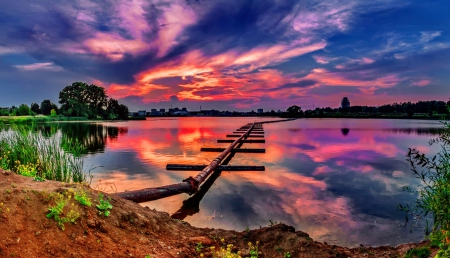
(191, 185)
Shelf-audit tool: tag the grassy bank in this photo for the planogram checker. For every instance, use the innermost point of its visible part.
(433, 203)
(32, 154)
(37, 119)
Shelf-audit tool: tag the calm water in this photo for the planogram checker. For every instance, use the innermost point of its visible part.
(338, 180)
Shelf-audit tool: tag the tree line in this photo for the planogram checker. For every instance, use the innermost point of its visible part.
(430, 108)
(77, 100)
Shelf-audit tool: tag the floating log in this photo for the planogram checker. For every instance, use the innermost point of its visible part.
(241, 150)
(223, 168)
(237, 136)
(244, 141)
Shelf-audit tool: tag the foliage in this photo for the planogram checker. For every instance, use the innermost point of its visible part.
(91, 101)
(23, 110)
(294, 111)
(434, 192)
(47, 106)
(35, 108)
(104, 205)
(83, 198)
(30, 153)
(226, 250)
(57, 212)
(422, 252)
(53, 113)
(199, 247)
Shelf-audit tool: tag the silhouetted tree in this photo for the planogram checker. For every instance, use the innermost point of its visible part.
(35, 108)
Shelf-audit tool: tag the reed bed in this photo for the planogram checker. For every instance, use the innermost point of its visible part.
(30, 153)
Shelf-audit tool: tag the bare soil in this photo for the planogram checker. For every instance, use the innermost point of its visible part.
(134, 231)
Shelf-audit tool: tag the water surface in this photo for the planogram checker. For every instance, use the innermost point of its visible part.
(339, 180)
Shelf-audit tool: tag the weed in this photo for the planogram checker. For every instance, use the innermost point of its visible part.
(433, 193)
(82, 197)
(272, 223)
(148, 256)
(422, 252)
(8, 191)
(278, 249)
(30, 153)
(13, 185)
(199, 247)
(287, 255)
(56, 212)
(104, 205)
(38, 179)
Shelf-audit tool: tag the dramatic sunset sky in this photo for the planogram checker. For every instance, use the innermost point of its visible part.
(227, 55)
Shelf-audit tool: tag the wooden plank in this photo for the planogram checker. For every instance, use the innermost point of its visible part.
(183, 167)
(250, 132)
(240, 150)
(237, 136)
(244, 141)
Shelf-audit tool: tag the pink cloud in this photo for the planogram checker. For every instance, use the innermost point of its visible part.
(323, 59)
(39, 66)
(421, 83)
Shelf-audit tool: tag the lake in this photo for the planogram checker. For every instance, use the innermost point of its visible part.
(339, 180)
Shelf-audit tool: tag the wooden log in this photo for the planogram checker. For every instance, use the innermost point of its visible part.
(240, 150)
(183, 167)
(244, 141)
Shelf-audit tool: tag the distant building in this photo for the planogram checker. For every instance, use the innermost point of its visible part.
(142, 113)
(345, 103)
(260, 111)
(184, 109)
(162, 110)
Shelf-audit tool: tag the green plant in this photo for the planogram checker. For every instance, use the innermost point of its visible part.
(434, 192)
(422, 252)
(272, 223)
(287, 255)
(28, 152)
(199, 247)
(56, 212)
(82, 197)
(104, 205)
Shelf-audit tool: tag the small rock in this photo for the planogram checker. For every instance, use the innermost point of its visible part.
(201, 239)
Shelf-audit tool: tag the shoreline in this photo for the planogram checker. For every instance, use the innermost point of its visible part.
(133, 230)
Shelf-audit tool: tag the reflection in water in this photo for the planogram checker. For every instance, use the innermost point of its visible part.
(339, 187)
(191, 206)
(345, 131)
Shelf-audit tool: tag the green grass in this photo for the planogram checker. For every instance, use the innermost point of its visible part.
(422, 252)
(433, 203)
(37, 119)
(30, 153)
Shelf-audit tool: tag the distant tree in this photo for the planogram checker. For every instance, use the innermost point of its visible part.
(46, 107)
(53, 112)
(23, 110)
(123, 112)
(81, 99)
(35, 108)
(294, 111)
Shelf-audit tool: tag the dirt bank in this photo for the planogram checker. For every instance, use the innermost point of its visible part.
(133, 231)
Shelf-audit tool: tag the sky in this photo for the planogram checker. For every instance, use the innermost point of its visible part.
(227, 55)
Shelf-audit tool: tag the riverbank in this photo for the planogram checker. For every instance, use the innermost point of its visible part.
(29, 229)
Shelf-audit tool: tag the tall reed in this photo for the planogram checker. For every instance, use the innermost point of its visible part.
(30, 153)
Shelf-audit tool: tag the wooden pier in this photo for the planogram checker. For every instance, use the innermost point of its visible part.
(191, 185)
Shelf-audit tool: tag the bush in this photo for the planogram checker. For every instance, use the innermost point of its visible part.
(434, 192)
